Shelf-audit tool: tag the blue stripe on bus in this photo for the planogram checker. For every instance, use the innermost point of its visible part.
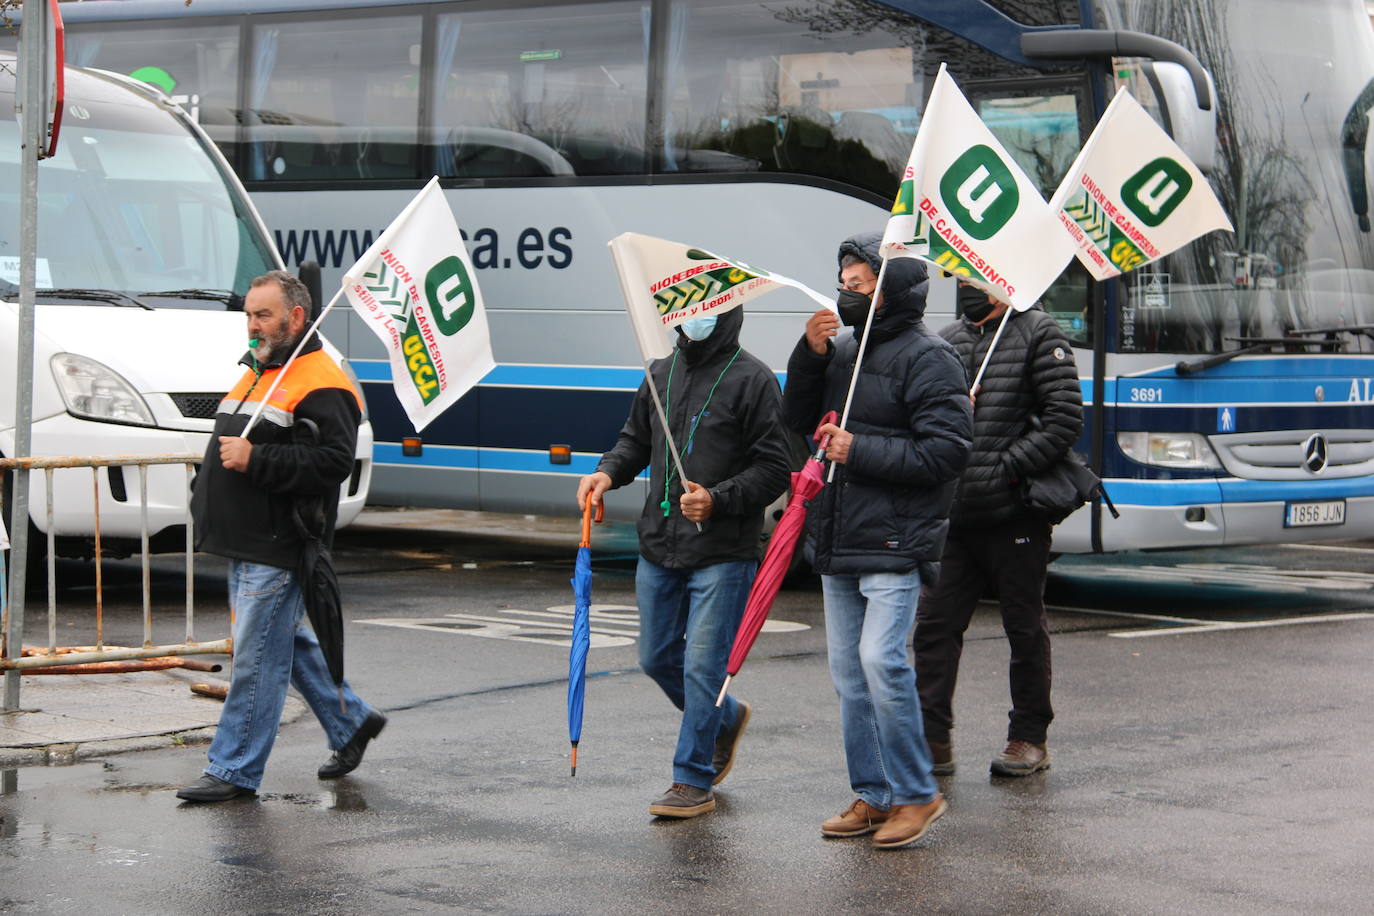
(534, 376)
(1163, 493)
(470, 459)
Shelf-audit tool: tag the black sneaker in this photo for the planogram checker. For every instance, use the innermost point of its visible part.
(346, 759)
(727, 743)
(212, 789)
(682, 800)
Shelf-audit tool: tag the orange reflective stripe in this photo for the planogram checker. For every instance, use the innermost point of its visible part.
(308, 373)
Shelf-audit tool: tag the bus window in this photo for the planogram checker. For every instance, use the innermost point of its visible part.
(821, 89)
(196, 64)
(1041, 131)
(570, 77)
(334, 98)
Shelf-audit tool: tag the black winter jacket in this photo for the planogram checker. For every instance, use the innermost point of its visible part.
(1032, 372)
(248, 515)
(886, 509)
(739, 451)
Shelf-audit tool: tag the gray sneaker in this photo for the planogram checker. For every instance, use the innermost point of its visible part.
(1021, 758)
(727, 744)
(682, 800)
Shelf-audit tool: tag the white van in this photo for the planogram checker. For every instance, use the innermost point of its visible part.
(146, 245)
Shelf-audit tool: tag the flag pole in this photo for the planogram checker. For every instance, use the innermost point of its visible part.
(858, 360)
(667, 433)
(978, 379)
(314, 325)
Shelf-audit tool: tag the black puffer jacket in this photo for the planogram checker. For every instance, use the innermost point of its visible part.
(739, 452)
(886, 509)
(1031, 372)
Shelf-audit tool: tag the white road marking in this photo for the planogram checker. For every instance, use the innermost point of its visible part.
(1336, 548)
(611, 625)
(1218, 625)
(1271, 578)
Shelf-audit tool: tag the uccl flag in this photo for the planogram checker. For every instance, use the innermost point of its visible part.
(666, 283)
(966, 206)
(1132, 195)
(416, 289)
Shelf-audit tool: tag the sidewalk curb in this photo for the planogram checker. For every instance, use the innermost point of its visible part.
(75, 752)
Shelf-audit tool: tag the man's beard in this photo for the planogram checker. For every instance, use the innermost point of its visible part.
(276, 346)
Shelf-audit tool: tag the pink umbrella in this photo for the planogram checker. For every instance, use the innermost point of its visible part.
(806, 483)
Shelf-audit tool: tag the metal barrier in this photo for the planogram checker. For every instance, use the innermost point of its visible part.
(13, 658)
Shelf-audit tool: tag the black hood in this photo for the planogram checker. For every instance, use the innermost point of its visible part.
(904, 285)
(724, 338)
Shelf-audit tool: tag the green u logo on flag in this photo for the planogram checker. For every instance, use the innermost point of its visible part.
(1155, 191)
(980, 192)
(449, 291)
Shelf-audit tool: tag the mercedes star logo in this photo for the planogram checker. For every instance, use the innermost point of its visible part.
(1314, 453)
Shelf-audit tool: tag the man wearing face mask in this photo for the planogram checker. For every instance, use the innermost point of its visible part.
(691, 584)
(1028, 413)
(875, 532)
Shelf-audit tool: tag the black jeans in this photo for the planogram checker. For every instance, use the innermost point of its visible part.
(1013, 557)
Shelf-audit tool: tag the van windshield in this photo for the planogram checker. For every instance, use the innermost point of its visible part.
(132, 204)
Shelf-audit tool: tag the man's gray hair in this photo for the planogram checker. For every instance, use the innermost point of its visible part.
(850, 259)
(292, 290)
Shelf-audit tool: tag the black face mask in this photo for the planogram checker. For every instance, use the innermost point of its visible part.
(974, 304)
(853, 306)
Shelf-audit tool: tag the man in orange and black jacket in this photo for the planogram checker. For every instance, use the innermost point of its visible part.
(244, 508)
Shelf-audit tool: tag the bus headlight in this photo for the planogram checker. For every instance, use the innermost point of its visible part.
(94, 391)
(1169, 450)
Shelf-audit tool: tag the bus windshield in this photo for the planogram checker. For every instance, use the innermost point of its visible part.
(130, 204)
(1293, 95)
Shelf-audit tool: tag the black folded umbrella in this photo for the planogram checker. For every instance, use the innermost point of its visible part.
(319, 582)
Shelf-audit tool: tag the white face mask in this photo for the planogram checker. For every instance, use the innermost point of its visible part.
(699, 328)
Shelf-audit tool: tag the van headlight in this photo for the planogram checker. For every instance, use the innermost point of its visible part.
(94, 391)
(1169, 450)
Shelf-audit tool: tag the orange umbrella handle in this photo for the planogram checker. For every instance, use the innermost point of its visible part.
(587, 521)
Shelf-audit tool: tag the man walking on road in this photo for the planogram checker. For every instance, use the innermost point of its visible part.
(1028, 412)
(723, 407)
(243, 508)
(877, 529)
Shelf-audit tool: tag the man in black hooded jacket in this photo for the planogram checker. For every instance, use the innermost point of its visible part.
(876, 531)
(1028, 413)
(699, 538)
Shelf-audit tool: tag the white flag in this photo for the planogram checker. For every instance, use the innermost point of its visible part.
(1132, 196)
(666, 283)
(965, 206)
(416, 289)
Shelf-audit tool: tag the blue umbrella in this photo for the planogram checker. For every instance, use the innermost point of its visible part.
(582, 628)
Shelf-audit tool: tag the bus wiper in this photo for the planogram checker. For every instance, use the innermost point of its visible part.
(227, 296)
(1365, 329)
(114, 297)
(1253, 345)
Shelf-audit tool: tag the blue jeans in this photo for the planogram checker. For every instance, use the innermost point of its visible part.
(687, 624)
(867, 621)
(273, 645)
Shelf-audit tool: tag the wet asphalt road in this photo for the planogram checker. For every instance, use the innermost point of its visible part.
(1210, 755)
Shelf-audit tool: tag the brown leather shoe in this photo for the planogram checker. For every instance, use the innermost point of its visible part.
(682, 800)
(727, 744)
(908, 823)
(1021, 758)
(856, 820)
(941, 757)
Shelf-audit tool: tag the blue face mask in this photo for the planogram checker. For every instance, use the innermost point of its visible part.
(699, 328)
